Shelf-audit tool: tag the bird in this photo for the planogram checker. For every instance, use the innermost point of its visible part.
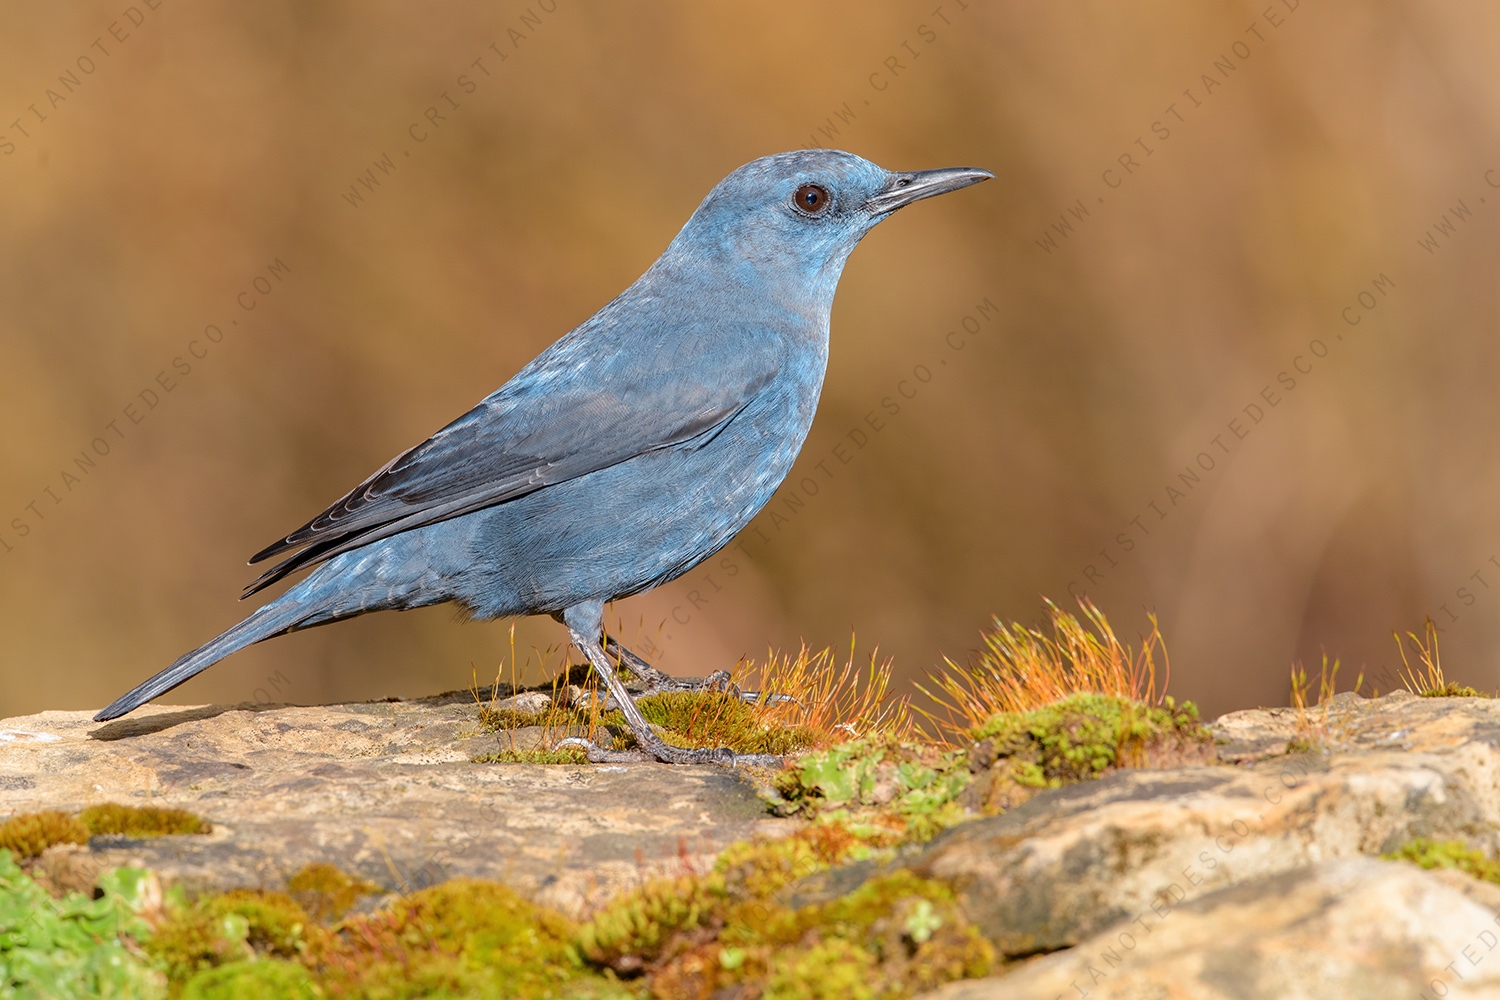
(626, 453)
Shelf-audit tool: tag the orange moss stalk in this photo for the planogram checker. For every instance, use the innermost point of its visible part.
(1429, 682)
(827, 700)
(809, 699)
(1021, 669)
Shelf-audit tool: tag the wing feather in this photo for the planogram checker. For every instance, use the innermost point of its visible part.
(562, 417)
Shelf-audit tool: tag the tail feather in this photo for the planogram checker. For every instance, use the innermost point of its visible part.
(269, 621)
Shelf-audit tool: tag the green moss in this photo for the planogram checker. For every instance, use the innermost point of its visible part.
(686, 718)
(75, 946)
(462, 938)
(562, 755)
(29, 834)
(217, 929)
(256, 979)
(494, 720)
(895, 935)
(326, 892)
(829, 970)
(759, 868)
(141, 821)
(1448, 854)
(728, 929)
(634, 928)
(889, 792)
(639, 928)
(714, 719)
(1453, 689)
(884, 790)
(561, 713)
(1084, 735)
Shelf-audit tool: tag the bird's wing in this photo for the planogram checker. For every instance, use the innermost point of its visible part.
(576, 409)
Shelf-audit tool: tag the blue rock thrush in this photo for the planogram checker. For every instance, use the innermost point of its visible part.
(621, 457)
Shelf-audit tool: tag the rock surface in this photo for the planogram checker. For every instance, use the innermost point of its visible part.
(1257, 872)
(1055, 870)
(384, 790)
(1250, 877)
(1375, 930)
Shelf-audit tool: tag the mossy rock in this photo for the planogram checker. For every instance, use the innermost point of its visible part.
(326, 892)
(885, 790)
(686, 718)
(730, 928)
(895, 935)
(540, 755)
(1085, 735)
(1427, 853)
(29, 834)
(890, 791)
(1453, 689)
(461, 938)
(637, 929)
(217, 929)
(257, 979)
(141, 821)
(714, 719)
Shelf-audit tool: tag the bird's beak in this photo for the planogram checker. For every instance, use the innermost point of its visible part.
(907, 188)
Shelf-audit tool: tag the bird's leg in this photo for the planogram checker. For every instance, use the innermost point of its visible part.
(652, 746)
(658, 682)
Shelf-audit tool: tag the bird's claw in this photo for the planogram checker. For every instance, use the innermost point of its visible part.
(601, 755)
(660, 682)
(720, 680)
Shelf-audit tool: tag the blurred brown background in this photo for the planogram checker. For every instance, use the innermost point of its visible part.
(1247, 171)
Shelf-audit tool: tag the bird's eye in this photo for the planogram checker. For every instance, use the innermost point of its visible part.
(811, 199)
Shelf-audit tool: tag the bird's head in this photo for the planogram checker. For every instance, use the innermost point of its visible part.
(796, 216)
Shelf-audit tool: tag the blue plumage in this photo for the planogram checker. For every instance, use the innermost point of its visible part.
(623, 455)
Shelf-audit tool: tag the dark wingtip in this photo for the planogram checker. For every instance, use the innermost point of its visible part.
(116, 708)
(260, 583)
(278, 546)
(311, 554)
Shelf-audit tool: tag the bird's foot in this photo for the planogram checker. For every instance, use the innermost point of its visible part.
(649, 746)
(655, 748)
(717, 681)
(659, 682)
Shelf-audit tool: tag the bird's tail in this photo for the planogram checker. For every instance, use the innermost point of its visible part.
(273, 619)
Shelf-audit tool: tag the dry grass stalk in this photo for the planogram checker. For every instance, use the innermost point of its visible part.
(832, 701)
(826, 699)
(1021, 668)
(1314, 731)
(1429, 682)
(574, 707)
